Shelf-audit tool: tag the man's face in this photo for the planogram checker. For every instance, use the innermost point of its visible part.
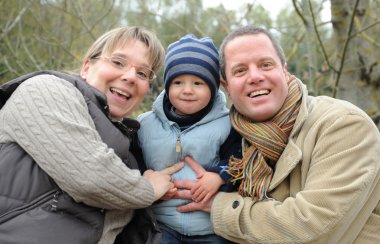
(256, 81)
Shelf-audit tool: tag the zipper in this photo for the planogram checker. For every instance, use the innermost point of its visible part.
(178, 144)
(53, 194)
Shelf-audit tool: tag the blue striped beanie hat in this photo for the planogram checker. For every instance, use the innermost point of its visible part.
(194, 56)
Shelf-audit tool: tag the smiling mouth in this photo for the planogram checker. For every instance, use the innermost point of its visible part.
(258, 93)
(120, 93)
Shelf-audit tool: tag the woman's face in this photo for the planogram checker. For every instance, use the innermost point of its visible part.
(120, 76)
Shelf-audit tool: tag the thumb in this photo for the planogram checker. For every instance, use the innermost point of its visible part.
(198, 169)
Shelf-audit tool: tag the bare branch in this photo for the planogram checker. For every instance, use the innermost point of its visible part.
(348, 39)
(319, 39)
(298, 11)
(363, 33)
(15, 21)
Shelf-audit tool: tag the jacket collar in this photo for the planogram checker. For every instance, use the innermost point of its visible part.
(292, 154)
(218, 109)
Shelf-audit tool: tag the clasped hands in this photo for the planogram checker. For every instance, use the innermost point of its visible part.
(194, 189)
(165, 188)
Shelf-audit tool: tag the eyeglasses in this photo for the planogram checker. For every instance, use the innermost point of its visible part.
(143, 73)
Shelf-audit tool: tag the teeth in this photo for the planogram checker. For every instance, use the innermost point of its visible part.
(258, 93)
(120, 92)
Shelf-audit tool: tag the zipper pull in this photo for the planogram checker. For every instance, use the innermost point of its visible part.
(178, 144)
(54, 204)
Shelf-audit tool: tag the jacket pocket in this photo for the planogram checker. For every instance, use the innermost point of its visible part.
(25, 208)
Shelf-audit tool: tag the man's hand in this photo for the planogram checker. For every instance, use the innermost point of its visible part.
(184, 189)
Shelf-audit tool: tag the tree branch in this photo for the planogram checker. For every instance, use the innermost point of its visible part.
(299, 12)
(319, 39)
(14, 22)
(335, 88)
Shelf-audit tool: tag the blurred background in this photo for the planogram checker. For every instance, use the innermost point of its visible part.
(332, 45)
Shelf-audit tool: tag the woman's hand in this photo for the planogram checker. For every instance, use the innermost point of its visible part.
(161, 180)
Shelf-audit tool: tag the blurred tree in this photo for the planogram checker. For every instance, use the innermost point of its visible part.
(49, 34)
(356, 72)
(338, 58)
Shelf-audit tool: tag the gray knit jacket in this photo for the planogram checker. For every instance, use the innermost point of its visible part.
(49, 118)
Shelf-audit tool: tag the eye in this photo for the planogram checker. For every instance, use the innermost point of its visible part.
(143, 74)
(176, 82)
(119, 63)
(199, 83)
(239, 71)
(266, 65)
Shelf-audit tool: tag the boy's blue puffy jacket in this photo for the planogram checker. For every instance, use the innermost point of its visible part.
(158, 138)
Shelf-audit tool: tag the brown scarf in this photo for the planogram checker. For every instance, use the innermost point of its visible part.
(263, 141)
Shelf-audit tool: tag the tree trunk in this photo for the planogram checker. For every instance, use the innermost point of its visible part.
(359, 80)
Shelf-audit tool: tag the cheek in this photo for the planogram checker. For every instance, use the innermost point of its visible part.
(206, 95)
(173, 92)
(142, 90)
(284, 93)
(235, 88)
(97, 79)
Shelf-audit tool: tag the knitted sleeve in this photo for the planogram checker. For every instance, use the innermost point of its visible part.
(48, 117)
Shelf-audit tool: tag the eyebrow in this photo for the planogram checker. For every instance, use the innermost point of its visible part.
(237, 65)
(123, 56)
(262, 59)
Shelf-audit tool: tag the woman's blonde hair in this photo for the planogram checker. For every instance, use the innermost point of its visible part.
(120, 36)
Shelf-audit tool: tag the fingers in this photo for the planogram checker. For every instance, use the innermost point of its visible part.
(172, 169)
(195, 188)
(184, 184)
(183, 194)
(199, 197)
(193, 206)
(206, 198)
(198, 169)
(169, 194)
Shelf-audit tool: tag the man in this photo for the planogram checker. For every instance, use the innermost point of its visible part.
(311, 165)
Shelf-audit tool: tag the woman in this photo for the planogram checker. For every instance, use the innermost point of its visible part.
(67, 169)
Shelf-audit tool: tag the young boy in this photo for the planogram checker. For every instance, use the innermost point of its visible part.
(189, 118)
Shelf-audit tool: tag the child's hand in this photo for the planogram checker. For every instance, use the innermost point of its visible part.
(207, 185)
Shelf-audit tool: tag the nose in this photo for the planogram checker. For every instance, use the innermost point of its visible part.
(129, 74)
(187, 88)
(255, 75)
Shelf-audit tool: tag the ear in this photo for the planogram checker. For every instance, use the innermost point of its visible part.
(225, 86)
(84, 69)
(286, 73)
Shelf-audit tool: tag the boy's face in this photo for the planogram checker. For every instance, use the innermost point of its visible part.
(189, 94)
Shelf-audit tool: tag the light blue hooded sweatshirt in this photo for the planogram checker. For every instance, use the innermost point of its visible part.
(163, 144)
